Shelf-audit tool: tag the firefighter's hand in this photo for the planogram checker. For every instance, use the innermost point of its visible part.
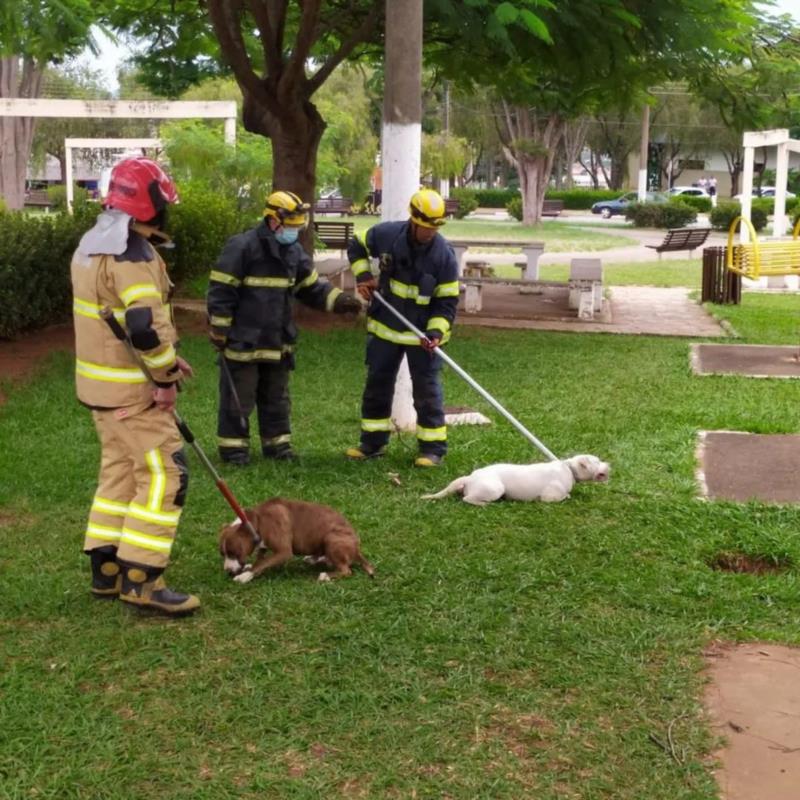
(218, 340)
(185, 367)
(165, 398)
(430, 342)
(366, 288)
(347, 304)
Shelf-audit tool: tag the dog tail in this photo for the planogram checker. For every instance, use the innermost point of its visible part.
(455, 486)
(365, 565)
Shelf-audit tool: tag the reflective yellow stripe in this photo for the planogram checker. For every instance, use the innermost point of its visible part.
(158, 480)
(221, 322)
(446, 289)
(360, 266)
(331, 298)
(98, 372)
(161, 544)
(138, 291)
(86, 309)
(384, 332)
(162, 359)
(168, 519)
(222, 442)
(432, 434)
(254, 355)
(284, 438)
(376, 425)
(423, 300)
(439, 324)
(223, 277)
(109, 507)
(309, 281)
(403, 289)
(103, 532)
(272, 283)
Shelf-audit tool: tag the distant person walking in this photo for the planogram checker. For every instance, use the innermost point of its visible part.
(712, 190)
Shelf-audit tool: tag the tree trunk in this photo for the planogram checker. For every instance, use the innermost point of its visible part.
(16, 133)
(295, 134)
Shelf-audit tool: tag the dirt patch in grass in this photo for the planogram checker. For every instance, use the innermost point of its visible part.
(755, 565)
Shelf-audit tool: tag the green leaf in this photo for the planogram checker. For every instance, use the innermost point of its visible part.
(506, 13)
(535, 25)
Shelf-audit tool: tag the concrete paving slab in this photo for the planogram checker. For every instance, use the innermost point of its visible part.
(747, 360)
(741, 466)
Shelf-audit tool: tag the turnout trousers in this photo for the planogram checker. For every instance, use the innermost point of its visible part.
(383, 361)
(142, 486)
(261, 385)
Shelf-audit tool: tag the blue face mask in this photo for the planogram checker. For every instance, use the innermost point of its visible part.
(288, 235)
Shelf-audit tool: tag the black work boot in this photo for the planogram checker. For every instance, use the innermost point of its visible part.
(144, 587)
(239, 458)
(281, 452)
(106, 577)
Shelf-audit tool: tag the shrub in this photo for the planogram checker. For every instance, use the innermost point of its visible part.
(581, 198)
(726, 212)
(700, 203)
(57, 195)
(495, 198)
(200, 225)
(35, 254)
(467, 201)
(660, 215)
(514, 208)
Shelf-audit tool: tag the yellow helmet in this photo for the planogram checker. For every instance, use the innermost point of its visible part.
(287, 208)
(427, 208)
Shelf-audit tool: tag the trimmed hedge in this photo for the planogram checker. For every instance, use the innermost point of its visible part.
(495, 198)
(660, 215)
(700, 203)
(581, 198)
(35, 254)
(514, 208)
(467, 201)
(726, 212)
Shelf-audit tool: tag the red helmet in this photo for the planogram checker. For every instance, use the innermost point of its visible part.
(140, 187)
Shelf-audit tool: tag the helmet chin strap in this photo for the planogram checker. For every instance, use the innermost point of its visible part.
(154, 235)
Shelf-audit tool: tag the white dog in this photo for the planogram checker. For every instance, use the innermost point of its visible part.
(550, 482)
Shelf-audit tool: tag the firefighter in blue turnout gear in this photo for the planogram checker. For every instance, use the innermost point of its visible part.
(250, 297)
(418, 275)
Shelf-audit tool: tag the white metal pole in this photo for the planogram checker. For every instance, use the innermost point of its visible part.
(473, 383)
(747, 192)
(781, 176)
(68, 176)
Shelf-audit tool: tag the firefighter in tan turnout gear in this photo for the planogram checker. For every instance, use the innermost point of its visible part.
(251, 293)
(143, 473)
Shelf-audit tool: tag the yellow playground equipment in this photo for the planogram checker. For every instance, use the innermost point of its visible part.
(754, 259)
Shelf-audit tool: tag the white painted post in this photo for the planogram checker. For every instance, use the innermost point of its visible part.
(747, 192)
(779, 220)
(68, 177)
(401, 147)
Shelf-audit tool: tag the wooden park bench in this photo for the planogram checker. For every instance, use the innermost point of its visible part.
(37, 198)
(333, 205)
(334, 235)
(681, 239)
(552, 208)
(451, 207)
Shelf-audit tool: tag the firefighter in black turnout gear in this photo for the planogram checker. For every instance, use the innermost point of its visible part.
(250, 297)
(418, 275)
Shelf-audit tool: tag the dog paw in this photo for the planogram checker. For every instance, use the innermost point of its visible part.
(324, 577)
(244, 577)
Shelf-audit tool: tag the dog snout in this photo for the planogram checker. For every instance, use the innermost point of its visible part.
(603, 473)
(232, 566)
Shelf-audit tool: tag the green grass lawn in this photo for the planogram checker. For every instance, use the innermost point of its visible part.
(516, 651)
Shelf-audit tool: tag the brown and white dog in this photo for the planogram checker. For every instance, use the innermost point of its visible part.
(291, 528)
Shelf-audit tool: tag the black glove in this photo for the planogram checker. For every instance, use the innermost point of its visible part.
(218, 340)
(430, 342)
(346, 304)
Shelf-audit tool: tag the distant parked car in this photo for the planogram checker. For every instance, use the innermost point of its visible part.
(766, 191)
(691, 191)
(608, 208)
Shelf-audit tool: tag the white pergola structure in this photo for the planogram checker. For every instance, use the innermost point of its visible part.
(99, 144)
(780, 139)
(121, 109)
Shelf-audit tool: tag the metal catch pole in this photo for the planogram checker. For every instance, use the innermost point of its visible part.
(471, 381)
